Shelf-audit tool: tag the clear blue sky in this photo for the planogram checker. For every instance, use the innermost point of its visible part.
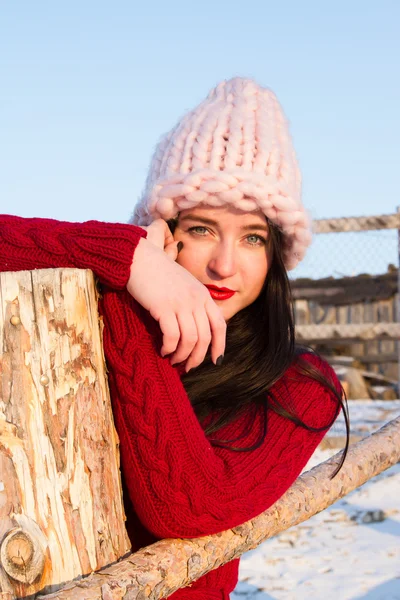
(87, 88)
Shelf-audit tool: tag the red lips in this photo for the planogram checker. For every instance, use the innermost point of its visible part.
(220, 293)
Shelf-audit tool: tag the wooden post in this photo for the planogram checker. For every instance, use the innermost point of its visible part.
(61, 512)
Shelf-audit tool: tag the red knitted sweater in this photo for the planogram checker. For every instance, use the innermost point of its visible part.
(177, 483)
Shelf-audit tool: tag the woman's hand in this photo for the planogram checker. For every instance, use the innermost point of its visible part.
(159, 234)
(188, 317)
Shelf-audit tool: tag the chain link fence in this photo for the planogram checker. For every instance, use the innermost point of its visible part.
(346, 295)
(348, 254)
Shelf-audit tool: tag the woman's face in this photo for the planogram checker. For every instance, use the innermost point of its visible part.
(226, 248)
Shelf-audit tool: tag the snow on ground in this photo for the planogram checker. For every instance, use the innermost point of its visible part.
(350, 551)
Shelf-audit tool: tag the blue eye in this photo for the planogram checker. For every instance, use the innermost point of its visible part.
(259, 240)
(198, 227)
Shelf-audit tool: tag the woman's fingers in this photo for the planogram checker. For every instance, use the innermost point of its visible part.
(159, 234)
(172, 250)
(171, 333)
(189, 337)
(203, 340)
(218, 331)
(210, 329)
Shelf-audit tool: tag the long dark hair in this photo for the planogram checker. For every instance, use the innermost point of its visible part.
(260, 347)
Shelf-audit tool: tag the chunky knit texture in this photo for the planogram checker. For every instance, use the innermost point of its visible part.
(234, 148)
(177, 483)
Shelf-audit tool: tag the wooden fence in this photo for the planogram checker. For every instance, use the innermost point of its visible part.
(358, 316)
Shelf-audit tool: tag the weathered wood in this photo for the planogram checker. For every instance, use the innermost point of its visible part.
(61, 512)
(357, 223)
(383, 392)
(347, 332)
(302, 312)
(22, 556)
(158, 570)
(377, 378)
(375, 295)
(356, 317)
(372, 317)
(386, 315)
(346, 290)
(379, 358)
(356, 388)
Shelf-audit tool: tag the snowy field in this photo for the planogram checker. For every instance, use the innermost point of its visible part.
(351, 551)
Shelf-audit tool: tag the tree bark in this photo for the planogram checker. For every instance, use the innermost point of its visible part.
(61, 512)
(160, 569)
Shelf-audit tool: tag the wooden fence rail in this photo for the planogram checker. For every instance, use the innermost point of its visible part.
(347, 333)
(357, 223)
(160, 569)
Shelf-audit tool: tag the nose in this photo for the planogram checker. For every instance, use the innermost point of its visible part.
(223, 260)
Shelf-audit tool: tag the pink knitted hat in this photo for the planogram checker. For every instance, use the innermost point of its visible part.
(234, 148)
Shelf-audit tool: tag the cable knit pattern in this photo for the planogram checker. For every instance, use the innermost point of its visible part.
(45, 243)
(234, 148)
(188, 488)
(179, 485)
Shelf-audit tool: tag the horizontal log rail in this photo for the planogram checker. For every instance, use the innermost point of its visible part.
(381, 357)
(158, 570)
(357, 223)
(347, 332)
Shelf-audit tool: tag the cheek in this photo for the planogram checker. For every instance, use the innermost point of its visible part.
(190, 260)
(256, 272)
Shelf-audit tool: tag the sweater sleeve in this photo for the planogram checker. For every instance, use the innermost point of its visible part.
(105, 248)
(179, 484)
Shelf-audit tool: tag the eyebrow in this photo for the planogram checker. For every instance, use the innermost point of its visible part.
(251, 227)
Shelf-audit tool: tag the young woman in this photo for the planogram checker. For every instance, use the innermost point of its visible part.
(217, 409)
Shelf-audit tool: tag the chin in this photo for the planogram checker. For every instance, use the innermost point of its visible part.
(227, 312)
